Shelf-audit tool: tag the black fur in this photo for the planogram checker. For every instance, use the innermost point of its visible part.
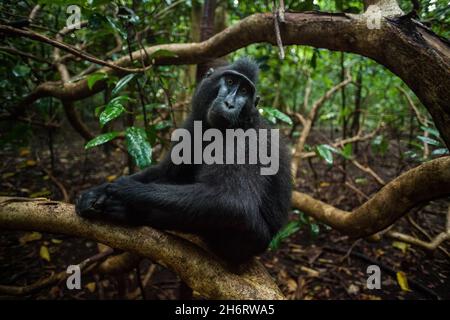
(234, 208)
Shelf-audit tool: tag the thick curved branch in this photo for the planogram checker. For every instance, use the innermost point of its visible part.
(428, 181)
(198, 268)
(404, 46)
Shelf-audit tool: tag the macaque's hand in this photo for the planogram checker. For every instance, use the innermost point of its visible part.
(99, 203)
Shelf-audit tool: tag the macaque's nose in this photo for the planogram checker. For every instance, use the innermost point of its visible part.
(229, 104)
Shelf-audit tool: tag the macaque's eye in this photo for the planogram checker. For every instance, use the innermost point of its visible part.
(244, 90)
(229, 81)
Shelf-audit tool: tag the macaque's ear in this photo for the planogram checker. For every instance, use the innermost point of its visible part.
(257, 100)
(210, 72)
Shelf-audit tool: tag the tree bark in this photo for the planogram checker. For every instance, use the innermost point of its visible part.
(428, 181)
(206, 32)
(198, 268)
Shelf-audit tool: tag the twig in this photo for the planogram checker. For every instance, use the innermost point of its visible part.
(139, 281)
(421, 230)
(133, 295)
(308, 123)
(422, 120)
(169, 101)
(23, 54)
(432, 245)
(369, 171)
(48, 124)
(53, 278)
(342, 142)
(358, 191)
(281, 11)
(349, 251)
(34, 13)
(58, 44)
(276, 21)
(58, 184)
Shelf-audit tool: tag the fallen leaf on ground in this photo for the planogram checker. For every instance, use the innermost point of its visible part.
(91, 286)
(403, 281)
(400, 245)
(44, 253)
(30, 236)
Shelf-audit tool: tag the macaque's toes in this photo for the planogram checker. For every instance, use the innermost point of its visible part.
(90, 204)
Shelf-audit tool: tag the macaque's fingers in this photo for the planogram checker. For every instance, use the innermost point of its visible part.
(91, 202)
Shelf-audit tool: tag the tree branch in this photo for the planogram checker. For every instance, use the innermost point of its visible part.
(11, 31)
(369, 171)
(342, 142)
(428, 181)
(422, 120)
(198, 268)
(69, 107)
(415, 54)
(53, 278)
(308, 122)
(431, 245)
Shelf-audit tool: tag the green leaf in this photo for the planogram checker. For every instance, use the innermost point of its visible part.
(289, 229)
(303, 218)
(117, 27)
(128, 15)
(163, 125)
(440, 152)
(411, 154)
(98, 110)
(328, 116)
(138, 146)
(112, 111)
(315, 229)
(101, 139)
(21, 70)
(362, 181)
(417, 144)
(122, 83)
(432, 131)
(93, 78)
(272, 113)
(120, 99)
(347, 151)
(429, 141)
(268, 116)
(380, 144)
(325, 152)
(155, 106)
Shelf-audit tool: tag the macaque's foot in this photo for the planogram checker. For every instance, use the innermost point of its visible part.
(100, 204)
(90, 203)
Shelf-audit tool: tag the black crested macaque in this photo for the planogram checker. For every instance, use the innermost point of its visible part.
(233, 207)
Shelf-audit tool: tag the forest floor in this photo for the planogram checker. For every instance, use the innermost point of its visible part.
(306, 266)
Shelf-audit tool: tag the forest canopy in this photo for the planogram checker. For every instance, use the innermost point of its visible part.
(92, 91)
